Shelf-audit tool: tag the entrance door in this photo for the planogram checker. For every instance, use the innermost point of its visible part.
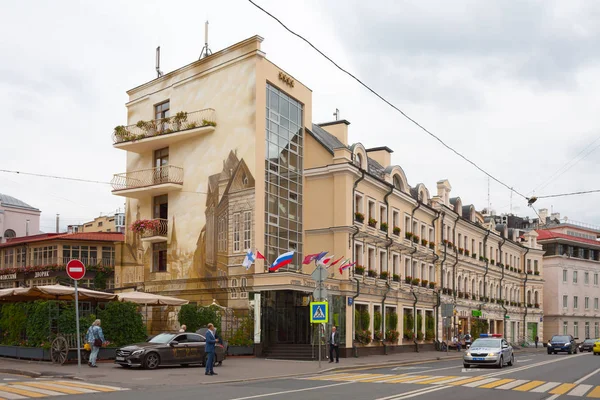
(285, 318)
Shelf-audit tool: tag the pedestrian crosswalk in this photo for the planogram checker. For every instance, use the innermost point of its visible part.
(48, 388)
(479, 382)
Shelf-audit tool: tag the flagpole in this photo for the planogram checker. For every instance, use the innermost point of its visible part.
(318, 327)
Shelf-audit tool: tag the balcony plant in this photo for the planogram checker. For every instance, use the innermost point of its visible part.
(493, 261)
(372, 222)
(461, 295)
(179, 119)
(501, 265)
(529, 305)
(396, 231)
(396, 278)
(420, 336)
(416, 239)
(408, 279)
(415, 281)
(359, 217)
(383, 226)
(500, 301)
(424, 282)
(520, 271)
(485, 259)
(359, 270)
(432, 245)
(424, 242)
(392, 336)
(467, 252)
(474, 256)
(431, 285)
(467, 296)
(481, 258)
(492, 300)
(529, 272)
(378, 336)
(408, 235)
(384, 275)
(536, 305)
(372, 273)
(363, 336)
(143, 225)
(536, 272)
(461, 250)
(206, 122)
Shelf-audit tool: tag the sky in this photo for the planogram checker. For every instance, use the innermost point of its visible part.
(511, 85)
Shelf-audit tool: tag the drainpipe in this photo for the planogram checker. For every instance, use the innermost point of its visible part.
(436, 292)
(454, 268)
(354, 348)
(387, 283)
(501, 280)
(414, 250)
(525, 295)
(415, 320)
(487, 265)
(362, 171)
(387, 248)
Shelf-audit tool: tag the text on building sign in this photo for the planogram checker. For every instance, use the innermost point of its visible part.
(7, 277)
(283, 77)
(42, 274)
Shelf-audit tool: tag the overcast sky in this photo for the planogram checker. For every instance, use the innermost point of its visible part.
(513, 85)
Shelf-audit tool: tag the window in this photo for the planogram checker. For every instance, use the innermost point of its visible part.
(159, 257)
(586, 278)
(432, 273)
(407, 224)
(564, 274)
(162, 110)
(108, 256)
(596, 279)
(248, 229)
(236, 233)
(21, 255)
(395, 219)
(586, 303)
(9, 233)
(358, 254)
(244, 292)
(382, 261)
(9, 258)
(587, 330)
(396, 264)
(535, 265)
(565, 328)
(358, 203)
(371, 210)
(575, 329)
(565, 301)
(100, 224)
(407, 271)
(596, 329)
(383, 214)
(358, 160)
(575, 302)
(397, 182)
(371, 259)
(46, 255)
(161, 207)
(595, 303)
(87, 254)
(574, 276)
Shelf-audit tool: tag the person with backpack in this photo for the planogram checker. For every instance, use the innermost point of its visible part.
(95, 338)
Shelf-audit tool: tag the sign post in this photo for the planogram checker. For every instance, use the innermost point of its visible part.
(76, 271)
(319, 275)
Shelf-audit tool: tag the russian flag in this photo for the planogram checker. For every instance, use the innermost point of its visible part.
(281, 261)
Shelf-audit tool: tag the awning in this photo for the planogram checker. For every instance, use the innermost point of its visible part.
(52, 292)
(150, 299)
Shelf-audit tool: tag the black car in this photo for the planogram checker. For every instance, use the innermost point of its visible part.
(562, 343)
(587, 345)
(167, 349)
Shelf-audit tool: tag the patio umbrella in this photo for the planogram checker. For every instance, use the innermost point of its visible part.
(52, 292)
(151, 299)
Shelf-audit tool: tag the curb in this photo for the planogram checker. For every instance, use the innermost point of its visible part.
(23, 372)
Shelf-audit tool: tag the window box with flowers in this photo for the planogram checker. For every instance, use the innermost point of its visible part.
(474, 256)
(392, 336)
(461, 250)
(529, 305)
(372, 273)
(396, 278)
(467, 252)
(529, 272)
(359, 217)
(415, 281)
(142, 226)
(501, 302)
(520, 271)
(536, 272)
(384, 275)
(467, 296)
(492, 300)
(481, 258)
(383, 226)
(461, 295)
(359, 270)
(424, 242)
(501, 265)
(493, 262)
(416, 239)
(536, 305)
(372, 222)
(446, 242)
(396, 231)
(424, 282)
(432, 245)
(408, 279)
(408, 235)
(431, 285)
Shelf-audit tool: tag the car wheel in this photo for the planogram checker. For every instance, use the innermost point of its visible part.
(511, 361)
(152, 361)
(501, 362)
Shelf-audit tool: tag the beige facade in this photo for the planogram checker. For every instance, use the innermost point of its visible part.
(223, 156)
(103, 223)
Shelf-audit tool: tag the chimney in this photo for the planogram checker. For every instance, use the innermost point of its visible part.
(27, 228)
(543, 215)
(383, 155)
(444, 188)
(338, 128)
(57, 222)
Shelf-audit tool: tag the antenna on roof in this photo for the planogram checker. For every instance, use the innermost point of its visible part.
(205, 50)
(336, 114)
(158, 71)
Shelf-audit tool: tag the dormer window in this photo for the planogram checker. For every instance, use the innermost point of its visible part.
(358, 160)
(397, 182)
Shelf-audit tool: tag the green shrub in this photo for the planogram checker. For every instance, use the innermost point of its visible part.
(194, 317)
(377, 321)
(122, 323)
(365, 320)
(392, 321)
(243, 336)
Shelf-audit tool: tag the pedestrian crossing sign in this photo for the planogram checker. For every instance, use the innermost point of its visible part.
(319, 312)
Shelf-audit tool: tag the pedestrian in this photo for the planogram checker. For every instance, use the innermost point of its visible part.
(95, 338)
(537, 339)
(334, 345)
(183, 328)
(209, 348)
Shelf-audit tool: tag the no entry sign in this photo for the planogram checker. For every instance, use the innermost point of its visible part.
(75, 269)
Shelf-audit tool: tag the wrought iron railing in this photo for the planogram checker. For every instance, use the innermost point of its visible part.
(161, 230)
(180, 122)
(147, 177)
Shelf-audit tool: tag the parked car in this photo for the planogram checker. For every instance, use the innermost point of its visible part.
(167, 349)
(562, 343)
(220, 343)
(489, 350)
(596, 347)
(587, 345)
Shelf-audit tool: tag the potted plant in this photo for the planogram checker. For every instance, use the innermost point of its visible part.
(415, 281)
(408, 235)
(424, 282)
(461, 250)
(143, 225)
(372, 273)
(359, 217)
(424, 242)
(420, 336)
(461, 295)
(396, 278)
(536, 305)
(384, 275)
(392, 336)
(493, 261)
(372, 222)
(446, 242)
(467, 252)
(520, 271)
(396, 231)
(467, 296)
(378, 336)
(431, 285)
(529, 272)
(416, 239)
(536, 272)
(359, 270)
(408, 279)
(474, 256)
(432, 245)
(529, 305)
(383, 226)
(481, 258)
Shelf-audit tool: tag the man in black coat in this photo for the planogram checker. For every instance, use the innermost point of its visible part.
(334, 345)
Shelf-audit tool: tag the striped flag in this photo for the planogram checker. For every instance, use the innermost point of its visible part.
(335, 262)
(345, 266)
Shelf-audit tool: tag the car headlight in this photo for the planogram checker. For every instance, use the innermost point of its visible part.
(137, 352)
(491, 354)
(468, 354)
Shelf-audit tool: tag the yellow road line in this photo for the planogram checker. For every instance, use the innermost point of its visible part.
(88, 386)
(492, 385)
(437, 380)
(528, 386)
(408, 378)
(595, 394)
(328, 377)
(381, 378)
(469, 380)
(357, 377)
(40, 385)
(562, 389)
(26, 393)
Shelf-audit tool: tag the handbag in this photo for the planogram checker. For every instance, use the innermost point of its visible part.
(97, 343)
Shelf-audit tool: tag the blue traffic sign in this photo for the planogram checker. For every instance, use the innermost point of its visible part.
(319, 312)
(350, 301)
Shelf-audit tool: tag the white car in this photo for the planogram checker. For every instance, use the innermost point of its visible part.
(489, 350)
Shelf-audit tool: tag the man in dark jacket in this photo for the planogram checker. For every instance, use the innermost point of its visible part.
(209, 348)
(334, 345)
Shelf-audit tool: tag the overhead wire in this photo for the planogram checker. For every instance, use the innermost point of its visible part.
(389, 103)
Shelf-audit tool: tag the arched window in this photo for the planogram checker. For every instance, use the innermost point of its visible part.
(9, 233)
(480, 288)
(529, 297)
(359, 160)
(398, 182)
(473, 287)
(459, 284)
(536, 297)
(466, 285)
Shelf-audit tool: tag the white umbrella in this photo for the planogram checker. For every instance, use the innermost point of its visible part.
(151, 299)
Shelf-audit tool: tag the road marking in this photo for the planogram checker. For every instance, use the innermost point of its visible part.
(93, 386)
(37, 390)
(595, 394)
(408, 368)
(468, 380)
(483, 382)
(418, 391)
(529, 359)
(496, 384)
(408, 378)
(528, 386)
(441, 379)
(512, 384)
(59, 389)
(26, 393)
(379, 378)
(580, 390)
(562, 389)
(410, 395)
(544, 388)
(329, 376)
(471, 370)
(291, 391)
(10, 396)
(581, 380)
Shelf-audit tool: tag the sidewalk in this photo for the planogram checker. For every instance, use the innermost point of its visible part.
(234, 369)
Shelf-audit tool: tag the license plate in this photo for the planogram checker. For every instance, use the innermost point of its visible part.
(478, 359)
(120, 358)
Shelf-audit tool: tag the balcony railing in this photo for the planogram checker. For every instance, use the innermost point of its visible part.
(182, 121)
(148, 177)
(161, 230)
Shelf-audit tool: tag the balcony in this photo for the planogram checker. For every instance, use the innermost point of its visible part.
(145, 136)
(148, 182)
(158, 233)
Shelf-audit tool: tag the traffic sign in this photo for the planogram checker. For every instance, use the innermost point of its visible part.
(75, 269)
(319, 312)
(447, 310)
(350, 301)
(507, 316)
(319, 274)
(320, 293)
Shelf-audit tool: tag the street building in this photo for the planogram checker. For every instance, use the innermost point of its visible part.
(17, 218)
(104, 223)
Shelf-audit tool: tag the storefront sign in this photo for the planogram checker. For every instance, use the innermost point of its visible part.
(42, 274)
(8, 277)
(289, 81)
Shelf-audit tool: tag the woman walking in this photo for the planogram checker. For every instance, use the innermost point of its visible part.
(95, 338)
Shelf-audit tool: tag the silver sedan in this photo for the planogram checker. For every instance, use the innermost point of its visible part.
(489, 351)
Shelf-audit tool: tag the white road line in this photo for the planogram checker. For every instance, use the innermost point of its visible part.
(36, 390)
(58, 386)
(579, 390)
(291, 391)
(413, 393)
(11, 396)
(529, 359)
(545, 387)
(581, 380)
(374, 377)
(512, 384)
(460, 378)
(479, 383)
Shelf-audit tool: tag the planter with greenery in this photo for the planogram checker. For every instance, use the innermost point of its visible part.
(432, 245)
(474, 256)
(467, 252)
(529, 272)
(359, 270)
(424, 282)
(359, 217)
(396, 278)
(536, 272)
(416, 238)
(372, 273)
(392, 336)
(384, 275)
(372, 222)
(408, 235)
(396, 231)
(431, 285)
(415, 281)
(461, 250)
(383, 226)
(363, 336)
(144, 225)
(409, 325)
(408, 279)
(424, 242)
(493, 261)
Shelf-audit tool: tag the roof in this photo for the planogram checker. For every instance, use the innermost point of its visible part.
(79, 236)
(375, 168)
(325, 138)
(385, 148)
(544, 234)
(10, 201)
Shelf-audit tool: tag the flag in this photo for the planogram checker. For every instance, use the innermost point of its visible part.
(347, 260)
(326, 260)
(309, 258)
(249, 259)
(321, 255)
(282, 260)
(259, 256)
(345, 266)
(336, 261)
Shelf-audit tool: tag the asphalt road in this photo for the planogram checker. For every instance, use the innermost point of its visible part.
(534, 376)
